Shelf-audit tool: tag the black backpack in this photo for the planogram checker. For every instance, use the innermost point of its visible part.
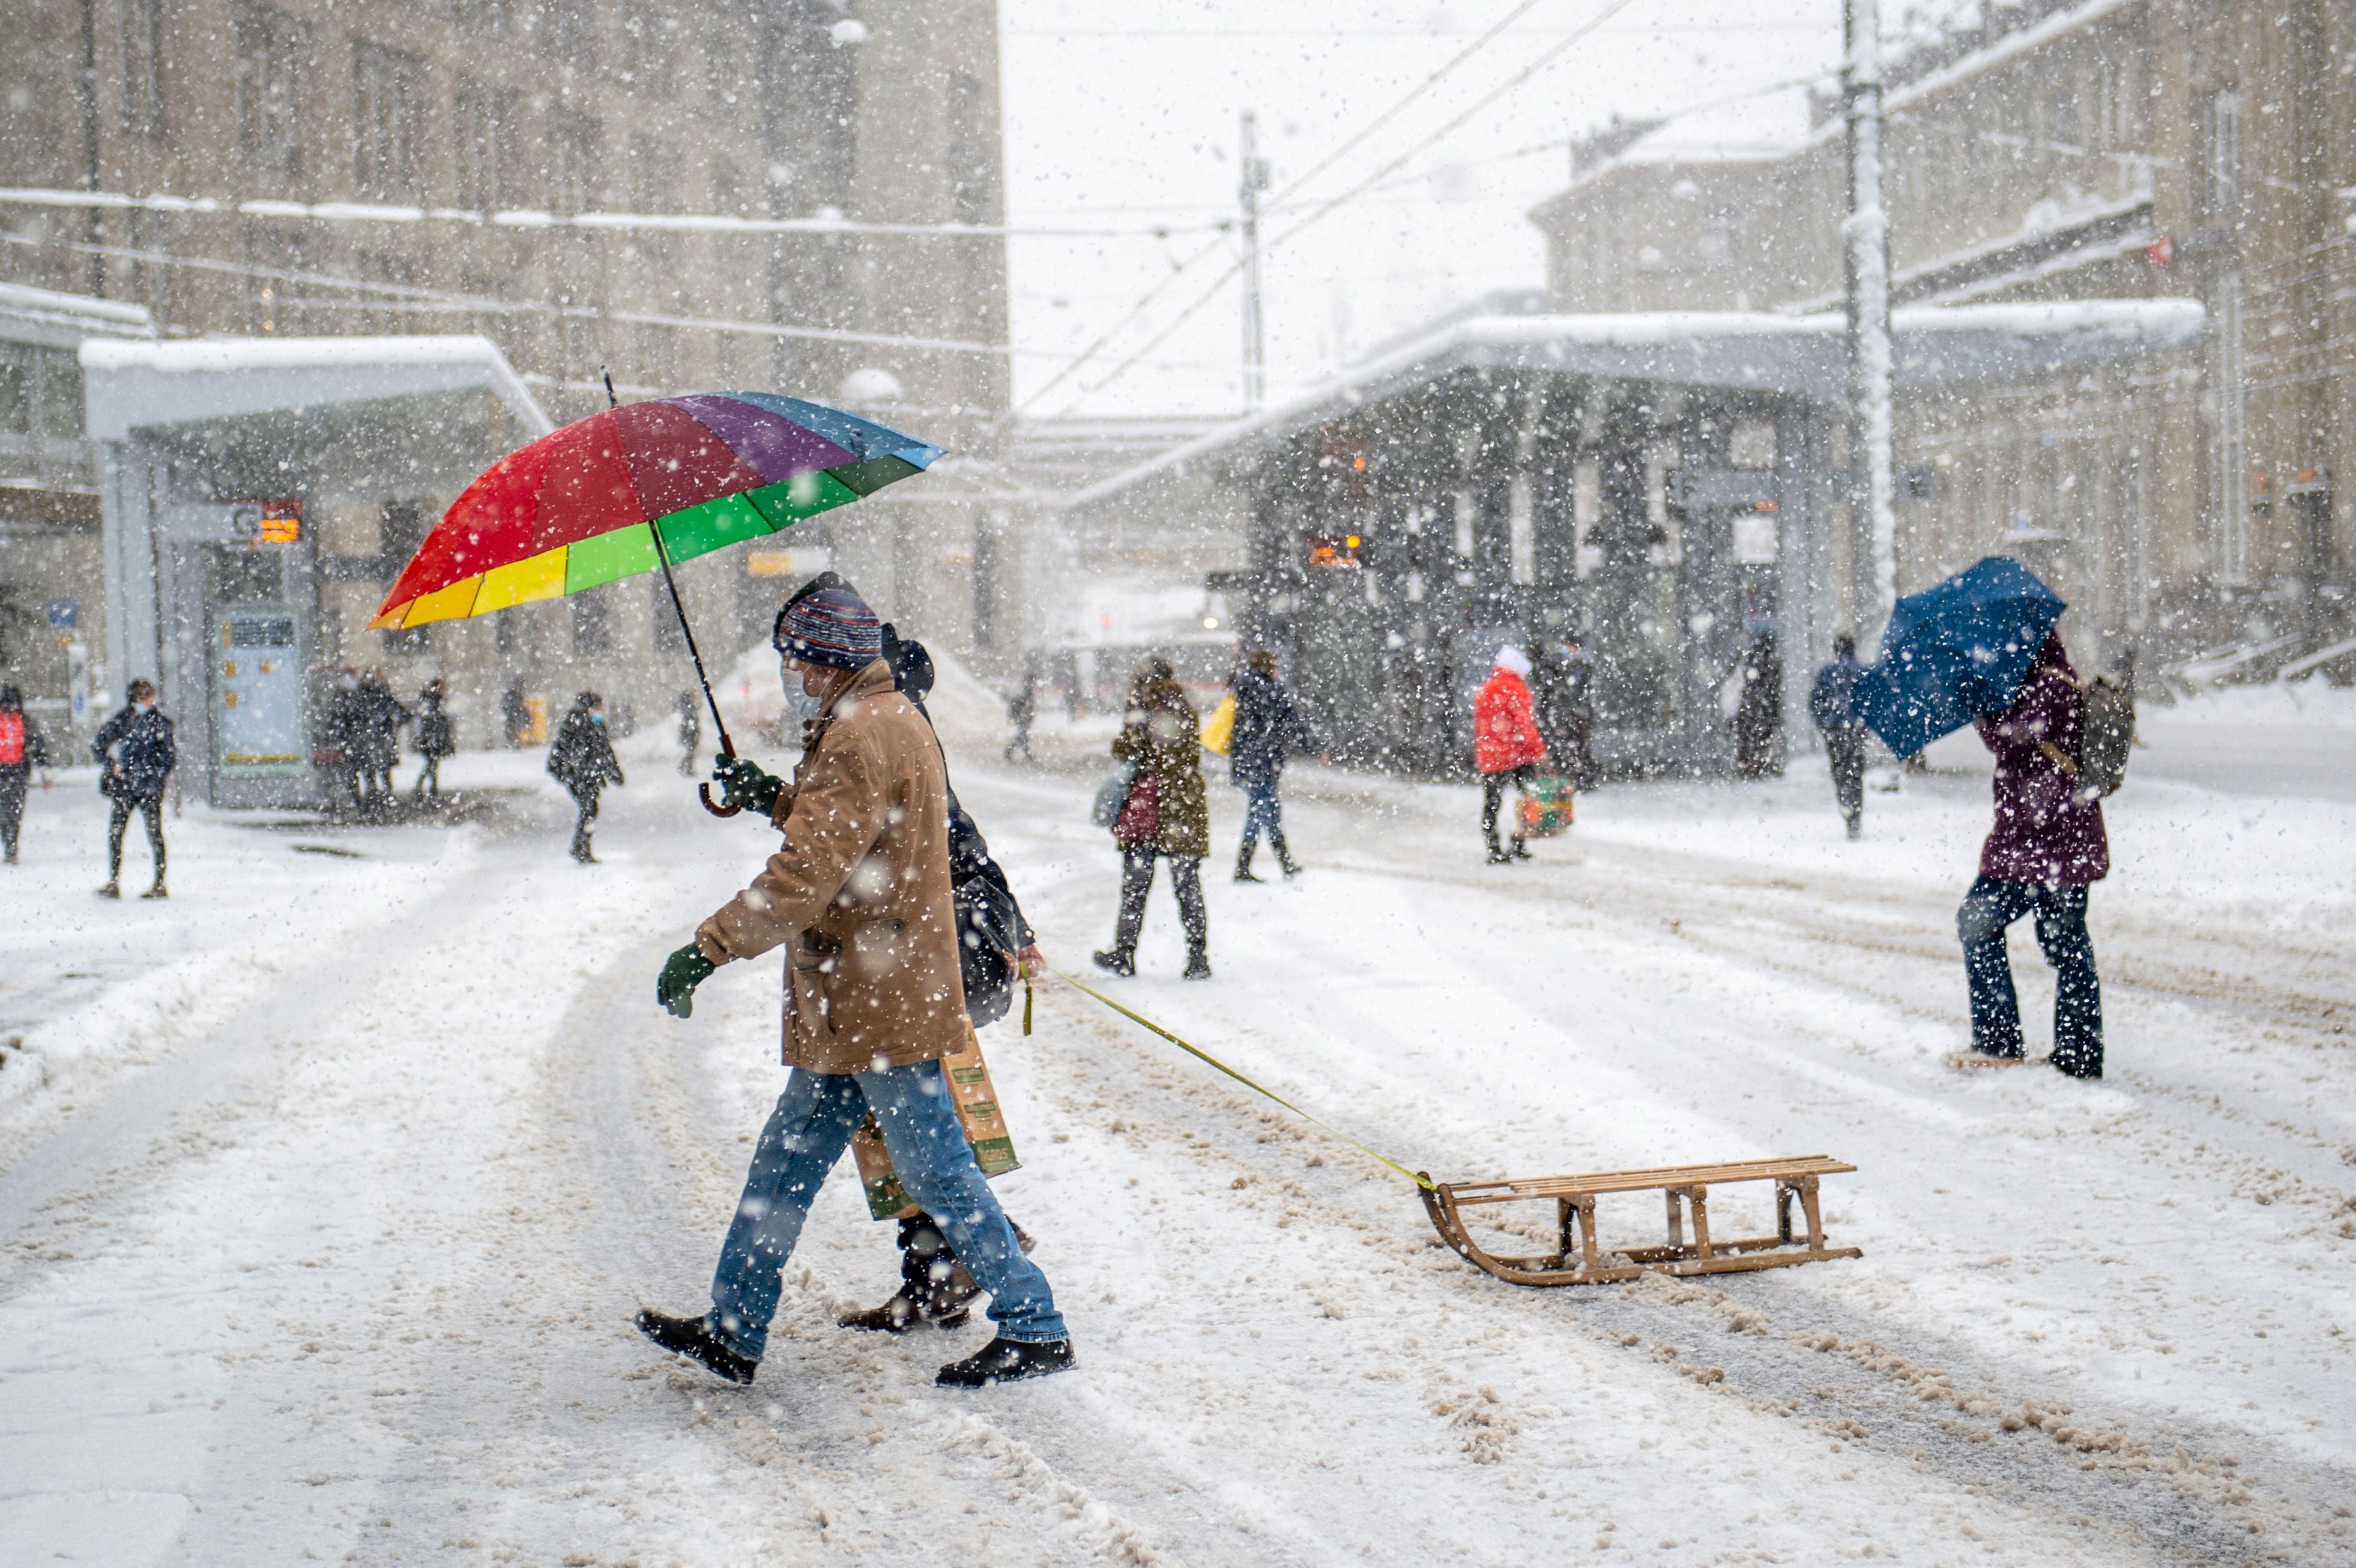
(2106, 727)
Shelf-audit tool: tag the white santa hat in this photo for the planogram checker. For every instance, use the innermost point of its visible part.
(1512, 659)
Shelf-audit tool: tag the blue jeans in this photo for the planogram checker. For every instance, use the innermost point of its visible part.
(1263, 813)
(1989, 909)
(806, 1135)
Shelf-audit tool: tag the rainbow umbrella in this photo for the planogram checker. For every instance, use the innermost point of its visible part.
(636, 488)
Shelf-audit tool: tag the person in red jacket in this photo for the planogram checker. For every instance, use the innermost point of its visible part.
(1506, 745)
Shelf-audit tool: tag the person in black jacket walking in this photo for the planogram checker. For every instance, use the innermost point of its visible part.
(434, 738)
(1267, 726)
(1831, 703)
(135, 754)
(582, 759)
(22, 749)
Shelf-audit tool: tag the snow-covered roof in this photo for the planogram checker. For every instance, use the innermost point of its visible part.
(1802, 356)
(63, 320)
(134, 384)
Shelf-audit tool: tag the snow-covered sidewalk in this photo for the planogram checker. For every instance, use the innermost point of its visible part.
(323, 1233)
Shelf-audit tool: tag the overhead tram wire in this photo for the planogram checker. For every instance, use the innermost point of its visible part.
(1292, 186)
(1612, 9)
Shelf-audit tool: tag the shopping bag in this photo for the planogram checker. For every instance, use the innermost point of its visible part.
(1546, 807)
(978, 1112)
(1219, 730)
(1141, 817)
(1113, 793)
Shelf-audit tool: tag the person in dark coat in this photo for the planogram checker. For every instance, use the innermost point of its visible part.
(582, 759)
(135, 755)
(1167, 814)
(381, 716)
(515, 715)
(342, 730)
(1759, 711)
(1562, 688)
(436, 738)
(690, 732)
(22, 749)
(1020, 709)
(1268, 724)
(1832, 704)
(2047, 848)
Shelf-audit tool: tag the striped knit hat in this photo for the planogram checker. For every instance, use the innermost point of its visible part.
(833, 627)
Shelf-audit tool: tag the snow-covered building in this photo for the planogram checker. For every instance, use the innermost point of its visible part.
(2059, 149)
(1660, 484)
(51, 616)
(781, 195)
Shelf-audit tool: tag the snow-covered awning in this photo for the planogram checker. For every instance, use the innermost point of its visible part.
(130, 385)
(1798, 356)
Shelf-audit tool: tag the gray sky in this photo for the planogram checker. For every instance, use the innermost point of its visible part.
(1125, 117)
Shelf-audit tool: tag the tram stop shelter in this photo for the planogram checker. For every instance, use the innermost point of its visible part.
(1666, 486)
(220, 463)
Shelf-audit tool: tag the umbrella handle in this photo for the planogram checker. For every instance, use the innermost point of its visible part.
(704, 791)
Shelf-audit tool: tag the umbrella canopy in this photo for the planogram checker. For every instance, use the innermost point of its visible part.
(578, 507)
(1956, 653)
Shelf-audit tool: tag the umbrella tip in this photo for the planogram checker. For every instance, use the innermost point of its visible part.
(608, 377)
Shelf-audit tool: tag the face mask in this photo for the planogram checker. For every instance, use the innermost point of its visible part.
(799, 703)
(597, 718)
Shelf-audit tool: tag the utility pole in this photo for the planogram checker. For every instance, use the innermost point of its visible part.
(1867, 247)
(1255, 180)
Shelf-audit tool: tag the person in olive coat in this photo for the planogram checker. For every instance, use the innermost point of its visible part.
(1168, 814)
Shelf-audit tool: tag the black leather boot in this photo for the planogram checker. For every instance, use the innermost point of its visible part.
(1243, 864)
(692, 1338)
(1007, 1361)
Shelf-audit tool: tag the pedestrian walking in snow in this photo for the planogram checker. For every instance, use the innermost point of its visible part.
(1507, 746)
(861, 894)
(582, 759)
(1020, 709)
(1562, 691)
(1831, 704)
(515, 715)
(1268, 725)
(381, 717)
(1167, 814)
(2046, 850)
(135, 755)
(22, 749)
(436, 738)
(1759, 711)
(690, 732)
(342, 730)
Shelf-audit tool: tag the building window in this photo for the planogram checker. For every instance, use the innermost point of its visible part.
(489, 15)
(575, 139)
(654, 174)
(388, 119)
(2220, 155)
(652, 34)
(567, 34)
(592, 622)
(273, 257)
(142, 65)
(270, 46)
(480, 124)
(989, 539)
(972, 157)
(664, 618)
(1719, 243)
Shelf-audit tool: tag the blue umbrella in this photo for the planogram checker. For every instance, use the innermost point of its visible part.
(1956, 653)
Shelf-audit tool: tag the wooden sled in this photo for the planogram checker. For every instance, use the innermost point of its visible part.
(1581, 1259)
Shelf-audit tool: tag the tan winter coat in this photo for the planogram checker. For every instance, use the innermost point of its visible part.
(859, 893)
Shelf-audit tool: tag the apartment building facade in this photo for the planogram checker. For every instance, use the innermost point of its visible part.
(2100, 150)
(594, 186)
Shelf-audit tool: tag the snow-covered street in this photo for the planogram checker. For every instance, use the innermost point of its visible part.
(329, 1187)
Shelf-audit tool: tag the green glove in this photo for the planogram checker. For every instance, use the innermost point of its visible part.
(745, 783)
(682, 972)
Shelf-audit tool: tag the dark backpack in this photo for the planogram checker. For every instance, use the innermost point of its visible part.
(2106, 726)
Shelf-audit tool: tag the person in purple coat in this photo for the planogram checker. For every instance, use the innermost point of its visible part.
(2046, 850)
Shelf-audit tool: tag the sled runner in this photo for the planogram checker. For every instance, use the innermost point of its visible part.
(1580, 1258)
